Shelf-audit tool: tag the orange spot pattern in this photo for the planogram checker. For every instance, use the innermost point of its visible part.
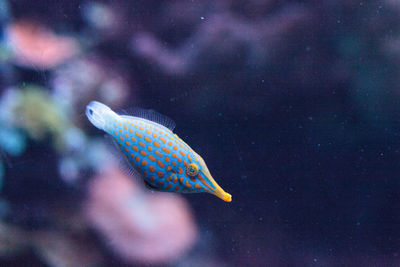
(160, 163)
(164, 161)
(204, 182)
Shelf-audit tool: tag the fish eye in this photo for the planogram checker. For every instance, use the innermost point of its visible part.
(91, 111)
(192, 169)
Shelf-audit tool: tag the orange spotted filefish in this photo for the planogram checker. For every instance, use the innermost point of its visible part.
(163, 160)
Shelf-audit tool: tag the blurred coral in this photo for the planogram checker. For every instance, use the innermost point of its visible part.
(79, 81)
(12, 141)
(219, 37)
(38, 115)
(138, 226)
(36, 46)
(12, 240)
(1, 174)
(33, 111)
(102, 17)
(63, 247)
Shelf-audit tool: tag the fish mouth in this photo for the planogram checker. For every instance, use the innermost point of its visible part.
(215, 189)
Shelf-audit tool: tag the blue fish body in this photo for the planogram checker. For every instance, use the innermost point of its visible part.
(165, 161)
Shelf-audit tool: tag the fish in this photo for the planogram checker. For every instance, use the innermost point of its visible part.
(164, 161)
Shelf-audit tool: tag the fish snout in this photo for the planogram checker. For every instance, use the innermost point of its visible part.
(227, 197)
(212, 186)
(223, 195)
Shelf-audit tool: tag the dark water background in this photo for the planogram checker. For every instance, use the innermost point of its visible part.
(294, 106)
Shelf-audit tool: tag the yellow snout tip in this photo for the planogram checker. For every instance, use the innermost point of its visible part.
(227, 197)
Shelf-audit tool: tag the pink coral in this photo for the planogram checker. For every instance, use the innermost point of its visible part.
(139, 226)
(35, 45)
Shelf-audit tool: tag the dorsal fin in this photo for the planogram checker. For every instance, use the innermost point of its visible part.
(151, 115)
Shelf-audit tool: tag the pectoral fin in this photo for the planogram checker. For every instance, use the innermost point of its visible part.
(152, 187)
